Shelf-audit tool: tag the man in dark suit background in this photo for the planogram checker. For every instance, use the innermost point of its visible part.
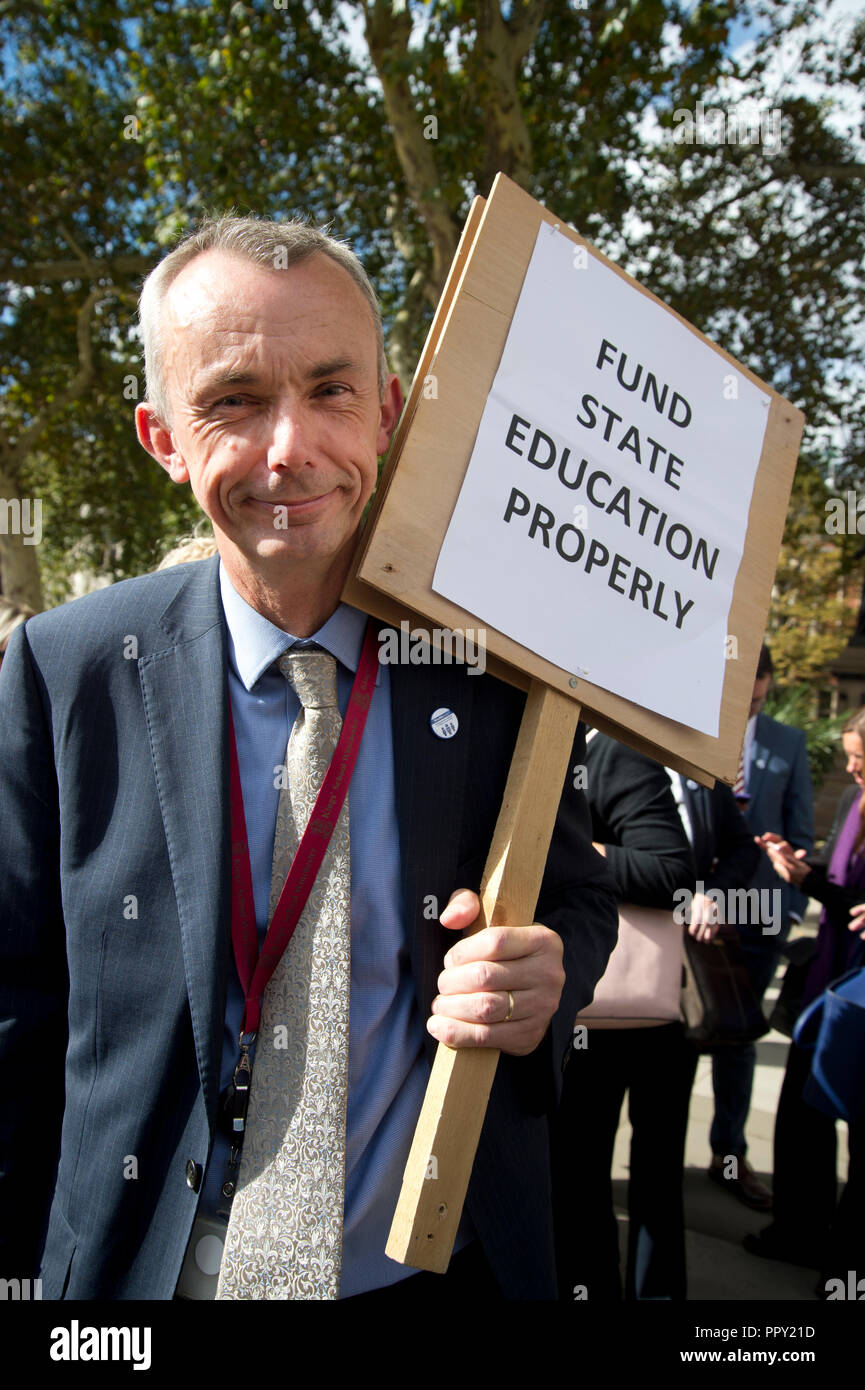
(777, 797)
(268, 393)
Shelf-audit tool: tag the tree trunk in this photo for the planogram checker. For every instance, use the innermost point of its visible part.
(501, 48)
(19, 566)
(388, 32)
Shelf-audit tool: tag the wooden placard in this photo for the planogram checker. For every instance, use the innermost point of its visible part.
(401, 543)
(395, 564)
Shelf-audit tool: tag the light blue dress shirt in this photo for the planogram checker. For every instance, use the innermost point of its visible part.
(388, 1071)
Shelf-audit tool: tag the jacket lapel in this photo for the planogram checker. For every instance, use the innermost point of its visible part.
(696, 799)
(760, 754)
(185, 692)
(430, 775)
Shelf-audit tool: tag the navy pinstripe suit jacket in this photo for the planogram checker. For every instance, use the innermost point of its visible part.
(115, 927)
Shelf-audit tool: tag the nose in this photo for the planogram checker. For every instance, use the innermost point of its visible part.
(290, 444)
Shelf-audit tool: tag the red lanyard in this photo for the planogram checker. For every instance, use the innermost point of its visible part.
(253, 969)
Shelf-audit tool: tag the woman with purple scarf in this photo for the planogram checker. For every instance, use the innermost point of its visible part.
(807, 1228)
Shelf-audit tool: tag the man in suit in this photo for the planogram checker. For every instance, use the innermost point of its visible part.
(776, 796)
(269, 394)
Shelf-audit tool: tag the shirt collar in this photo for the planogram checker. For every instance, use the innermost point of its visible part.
(256, 643)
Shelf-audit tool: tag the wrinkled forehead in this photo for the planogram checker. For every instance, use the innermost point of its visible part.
(226, 295)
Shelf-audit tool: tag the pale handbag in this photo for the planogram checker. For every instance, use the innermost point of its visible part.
(642, 984)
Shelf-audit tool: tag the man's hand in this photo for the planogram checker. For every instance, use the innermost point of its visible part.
(786, 860)
(704, 918)
(481, 974)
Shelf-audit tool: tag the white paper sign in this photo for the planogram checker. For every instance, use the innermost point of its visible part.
(603, 514)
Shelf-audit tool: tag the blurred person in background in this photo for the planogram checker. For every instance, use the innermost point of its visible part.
(636, 827)
(200, 545)
(726, 858)
(774, 794)
(807, 1228)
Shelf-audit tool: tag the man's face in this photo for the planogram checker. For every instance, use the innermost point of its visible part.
(761, 690)
(276, 420)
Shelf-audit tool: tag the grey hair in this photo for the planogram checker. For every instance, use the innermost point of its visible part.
(275, 245)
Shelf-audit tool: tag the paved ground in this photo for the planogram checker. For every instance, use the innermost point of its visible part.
(718, 1266)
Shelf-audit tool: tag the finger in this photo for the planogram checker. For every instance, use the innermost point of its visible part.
(462, 909)
(518, 1039)
(499, 1006)
(505, 943)
(773, 845)
(491, 976)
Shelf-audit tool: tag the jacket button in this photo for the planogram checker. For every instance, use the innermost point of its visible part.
(193, 1174)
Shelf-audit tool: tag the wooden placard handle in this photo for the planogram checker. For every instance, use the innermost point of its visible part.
(446, 1138)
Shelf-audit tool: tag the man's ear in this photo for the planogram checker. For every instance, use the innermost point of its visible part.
(391, 405)
(158, 440)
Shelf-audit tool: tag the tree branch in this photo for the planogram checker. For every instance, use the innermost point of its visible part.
(96, 268)
(524, 23)
(787, 169)
(388, 31)
(500, 49)
(735, 197)
(77, 386)
(810, 173)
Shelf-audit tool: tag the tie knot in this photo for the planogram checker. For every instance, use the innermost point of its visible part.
(312, 676)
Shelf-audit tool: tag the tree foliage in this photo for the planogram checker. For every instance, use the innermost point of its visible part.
(795, 705)
(811, 617)
(121, 124)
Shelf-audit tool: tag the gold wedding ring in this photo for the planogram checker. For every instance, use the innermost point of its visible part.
(510, 1007)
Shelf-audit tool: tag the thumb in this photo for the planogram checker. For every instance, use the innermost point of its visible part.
(462, 909)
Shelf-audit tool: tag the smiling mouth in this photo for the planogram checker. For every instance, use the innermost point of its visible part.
(293, 505)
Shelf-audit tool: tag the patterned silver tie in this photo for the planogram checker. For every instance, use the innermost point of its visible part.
(284, 1237)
